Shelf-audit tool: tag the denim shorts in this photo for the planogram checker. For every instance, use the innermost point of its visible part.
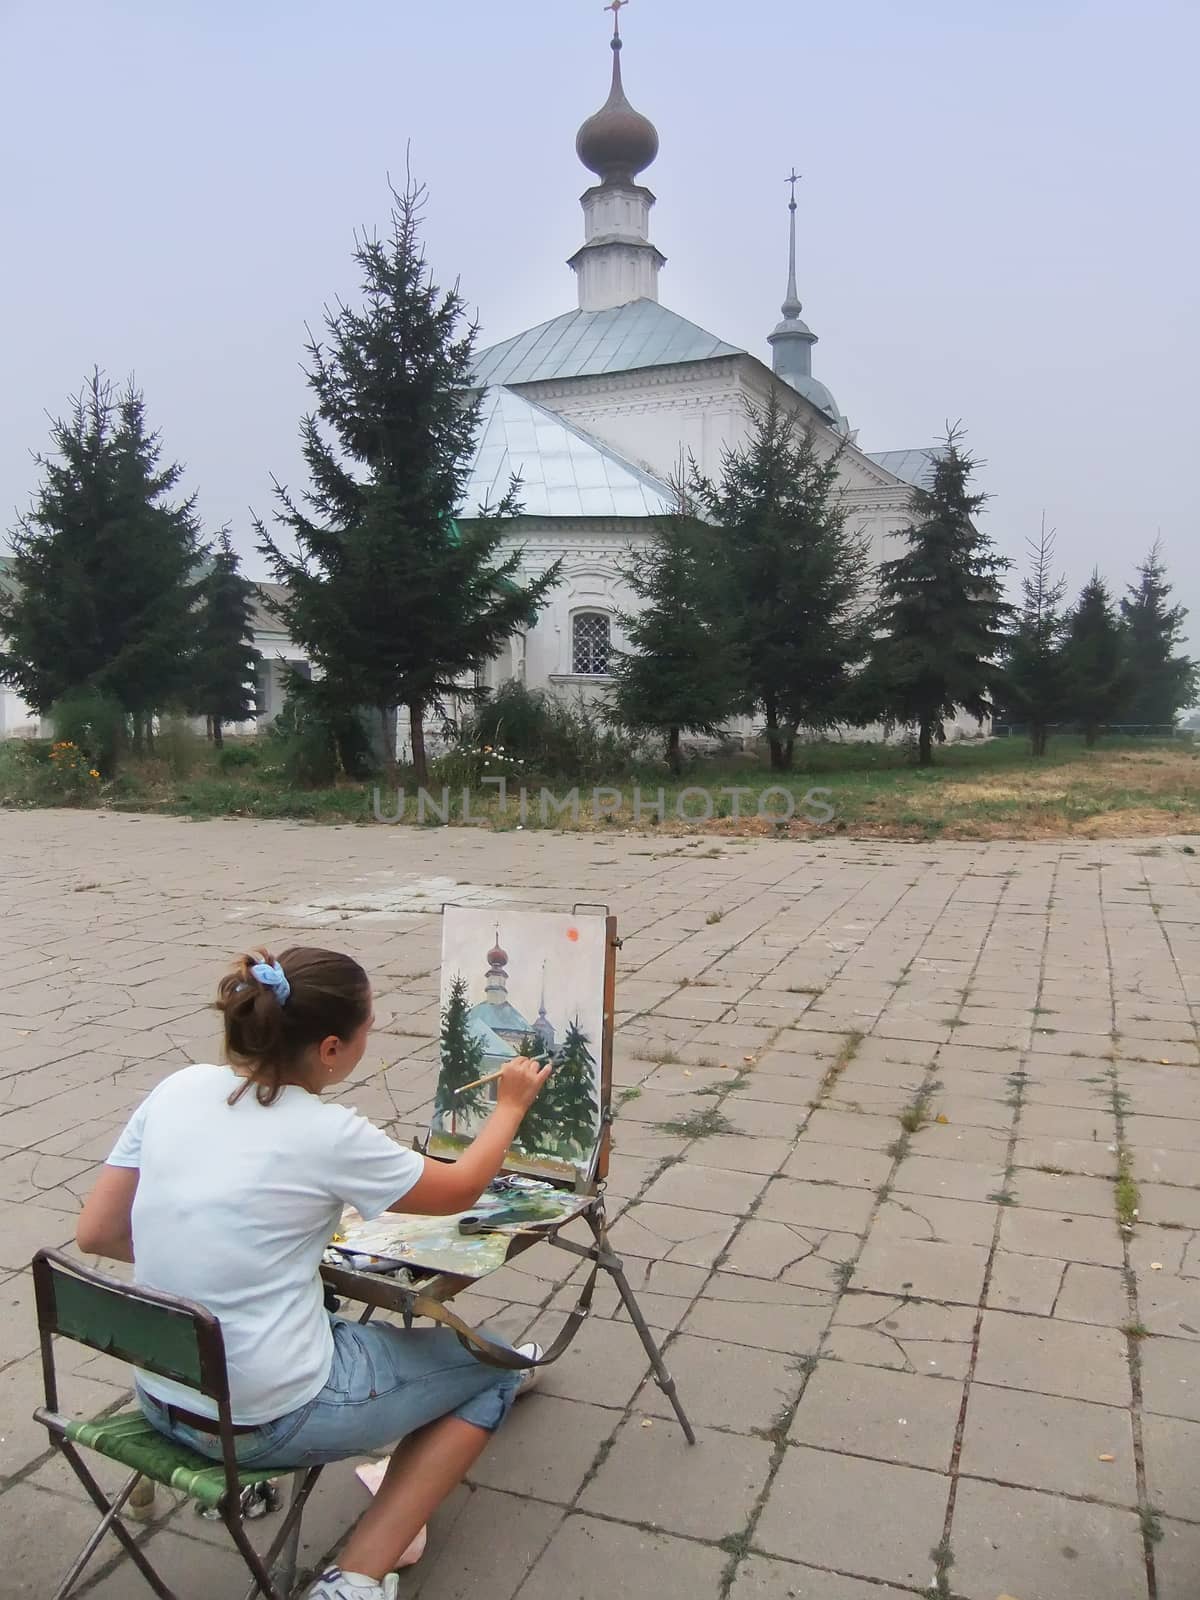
(385, 1383)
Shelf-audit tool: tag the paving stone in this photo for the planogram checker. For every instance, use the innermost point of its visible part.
(1051, 1357)
(1169, 1304)
(852, 1130)
(824, 1164)
(1177, 1560)
(26, 1227)
(1094, 1123)
(672, 1233)
(1093, 1294)
(924, 1217)
(1066, 1238)
(544, 1449)
(1165, 1166)
(981, 1146)
(757, 1312)
(604, 1366)
(971, 1111)
(924, 1270)
(1161, 1203)
(892, 1416)
(652, 1477)
(487, 1548)
(741, 1153)
(589, 1559)
(1042, 1547)
(917, 1336)
(1063, 1192)
(758, 1117)
(950, 1180)
(1171, 1447)
(760, 1578)
(893, 1544)
(1043, 1442)
(724, 1385)
(1024, 1283)
(1170, 1377)
(826, 1205)
(703, 1188)
(1088, 1158)
(810, 1257)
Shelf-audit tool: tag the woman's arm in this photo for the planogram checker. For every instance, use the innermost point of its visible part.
(449, 1186)
(105, 1226)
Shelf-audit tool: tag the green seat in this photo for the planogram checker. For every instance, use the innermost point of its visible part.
(127, 1437)
(174, 1339)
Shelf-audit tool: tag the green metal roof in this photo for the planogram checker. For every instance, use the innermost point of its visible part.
(584, 344)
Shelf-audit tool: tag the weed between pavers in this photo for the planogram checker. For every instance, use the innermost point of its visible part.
(697, 1124)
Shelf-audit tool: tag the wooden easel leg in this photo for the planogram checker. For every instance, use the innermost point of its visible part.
(616, 1270)
(611, 1263)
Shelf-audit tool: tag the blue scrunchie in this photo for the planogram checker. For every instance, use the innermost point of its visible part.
(272, 976)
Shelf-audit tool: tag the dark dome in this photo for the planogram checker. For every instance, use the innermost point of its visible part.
(497, 957)
(618, 142)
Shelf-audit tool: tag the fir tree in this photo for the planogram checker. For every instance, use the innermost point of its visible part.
(462, 1062)
(106, 568)
(942, 614)
(1034, 662)
(1097, 678)
(389, 598)
(684, 670)
(226, 662)
(1162, 683)
(571, 1093)
(795, 577)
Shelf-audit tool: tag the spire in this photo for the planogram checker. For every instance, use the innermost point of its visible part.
(791, 307)
(793, 340)
(617, 263)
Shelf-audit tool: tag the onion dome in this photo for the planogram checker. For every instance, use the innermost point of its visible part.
(618, 142)
(497, 957)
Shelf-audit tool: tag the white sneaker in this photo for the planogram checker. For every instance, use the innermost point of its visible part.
(532, 1376)
(334, 1584)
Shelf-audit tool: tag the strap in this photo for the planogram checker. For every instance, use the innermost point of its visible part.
(499, 1355)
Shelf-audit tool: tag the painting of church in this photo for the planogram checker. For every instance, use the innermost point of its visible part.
(497, 1023)
(529, 981)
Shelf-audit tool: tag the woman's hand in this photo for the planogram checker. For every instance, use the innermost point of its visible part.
(520, 1084)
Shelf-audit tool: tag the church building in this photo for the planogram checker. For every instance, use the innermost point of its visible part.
(595, 409)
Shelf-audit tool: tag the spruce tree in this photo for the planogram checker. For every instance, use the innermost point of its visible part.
(571, 1093)
(226, 662)
(391, 600)
(1097, 678)
(683, 672)
(942, 614)
(106, 568)
(795, 577)
(1034, 662)
(462, 1062)
(1162, 682)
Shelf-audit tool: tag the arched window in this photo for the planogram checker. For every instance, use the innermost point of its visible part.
(591, 644)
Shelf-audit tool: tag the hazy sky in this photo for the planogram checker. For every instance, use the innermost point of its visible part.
(998, 217)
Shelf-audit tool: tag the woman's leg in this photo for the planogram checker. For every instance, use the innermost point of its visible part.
(422, 1472)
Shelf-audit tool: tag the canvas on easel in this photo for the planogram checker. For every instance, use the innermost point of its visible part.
(531, 983)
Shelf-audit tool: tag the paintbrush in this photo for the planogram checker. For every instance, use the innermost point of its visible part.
(542, 1061)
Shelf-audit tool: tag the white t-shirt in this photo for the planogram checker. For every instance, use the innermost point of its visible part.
(235, 1206)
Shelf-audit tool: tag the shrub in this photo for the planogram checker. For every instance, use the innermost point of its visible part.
(94, 723)
(236, 757)
(179, 746)
(68, 778)
(551, 736)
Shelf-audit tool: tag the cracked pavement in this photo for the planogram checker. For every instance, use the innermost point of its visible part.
(873, 1101)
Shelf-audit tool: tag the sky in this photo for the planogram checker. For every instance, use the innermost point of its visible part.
(997, 219)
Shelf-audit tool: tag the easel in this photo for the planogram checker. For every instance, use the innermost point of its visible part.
(431, 1297)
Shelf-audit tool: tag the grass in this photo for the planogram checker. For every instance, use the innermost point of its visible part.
(914, 1117)
(697, 1124)
(1127, 1195)
(847, 1053)
(984, 790)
